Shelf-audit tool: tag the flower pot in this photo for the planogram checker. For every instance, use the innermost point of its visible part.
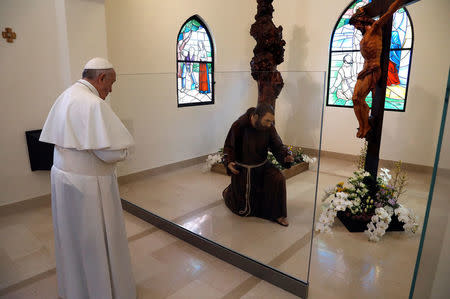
(295, 169)
(219, 168)
(358, 224)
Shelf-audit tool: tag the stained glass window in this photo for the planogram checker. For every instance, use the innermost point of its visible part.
(346, 60)
(195, 64)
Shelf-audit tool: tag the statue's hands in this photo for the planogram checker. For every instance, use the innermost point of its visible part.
(359, 13)
(289, 159)
(232, 167)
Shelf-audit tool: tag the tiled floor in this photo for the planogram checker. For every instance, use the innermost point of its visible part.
(343, 265)
(192, 198)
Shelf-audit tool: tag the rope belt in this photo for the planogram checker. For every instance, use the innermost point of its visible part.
(248, 187)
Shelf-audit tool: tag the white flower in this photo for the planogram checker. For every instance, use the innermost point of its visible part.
(308, 159)
(320, 227)
(385, 176)
(338, 203)
(389, 210)
(382, 213)
(211, 160)
(326, 219)
(409, 219)
(376, 228)
(329, 191)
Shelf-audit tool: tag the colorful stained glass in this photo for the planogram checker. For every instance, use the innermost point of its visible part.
(195, 64)
(346, 61)
(344, 70)
(346, 37)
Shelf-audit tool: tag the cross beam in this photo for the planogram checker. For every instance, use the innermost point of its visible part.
(374, 9)
(379, 7)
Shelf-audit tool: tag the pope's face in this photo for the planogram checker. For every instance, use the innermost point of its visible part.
(105, 84)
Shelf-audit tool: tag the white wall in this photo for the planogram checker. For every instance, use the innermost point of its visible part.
(27, 86)
(34, 70)
(86, 31)
(142, 35)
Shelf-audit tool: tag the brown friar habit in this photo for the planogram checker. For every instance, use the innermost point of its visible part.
(262, 192)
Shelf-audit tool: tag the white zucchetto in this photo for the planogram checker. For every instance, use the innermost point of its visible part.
(98, 63)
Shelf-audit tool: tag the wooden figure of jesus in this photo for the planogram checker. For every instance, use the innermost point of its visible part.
(371, 47)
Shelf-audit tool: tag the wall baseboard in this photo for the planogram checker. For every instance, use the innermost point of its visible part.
(125, 179)
(31, 203)
(383, 163)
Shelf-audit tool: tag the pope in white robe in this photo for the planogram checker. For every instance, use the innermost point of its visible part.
(91, 248)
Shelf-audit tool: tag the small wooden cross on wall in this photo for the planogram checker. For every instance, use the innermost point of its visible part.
(9, 35)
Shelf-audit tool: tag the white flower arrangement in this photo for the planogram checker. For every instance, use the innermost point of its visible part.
(297, 153)
(338, 203)
(211, 160)
(409, 219)
(385, 175)
(378, 225)
(356, 199)
(308, 159)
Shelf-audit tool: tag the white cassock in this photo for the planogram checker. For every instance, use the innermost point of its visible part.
(91, 248)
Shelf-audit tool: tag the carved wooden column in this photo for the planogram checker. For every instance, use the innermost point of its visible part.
(269, 52)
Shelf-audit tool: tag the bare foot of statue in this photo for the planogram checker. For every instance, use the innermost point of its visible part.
(364, 131)
(283, 221)
(358, 134)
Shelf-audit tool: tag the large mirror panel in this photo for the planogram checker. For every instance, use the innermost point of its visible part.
(433, 263)
(175, 143)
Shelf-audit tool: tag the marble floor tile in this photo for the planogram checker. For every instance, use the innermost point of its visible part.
(265, 290)
(44, 288)
(197, 289)
(8, 272)
(18, 241)
(134, 225)
(223, 276)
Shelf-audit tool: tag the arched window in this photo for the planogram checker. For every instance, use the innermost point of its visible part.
(346, 61)
(195, 64)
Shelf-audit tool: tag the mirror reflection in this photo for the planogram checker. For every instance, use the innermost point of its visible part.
(265, 213)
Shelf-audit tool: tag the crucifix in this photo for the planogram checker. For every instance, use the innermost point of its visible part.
(9, 35)
(375, 48)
